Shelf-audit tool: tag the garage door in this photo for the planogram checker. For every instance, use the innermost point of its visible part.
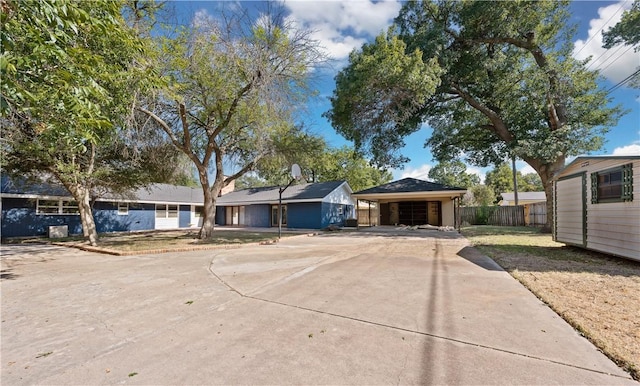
(570, 209)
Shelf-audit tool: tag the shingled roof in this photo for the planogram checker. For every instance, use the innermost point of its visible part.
(304, 192)
(409, 185)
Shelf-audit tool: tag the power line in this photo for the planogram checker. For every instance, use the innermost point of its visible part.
(618, 58)
(624, 81)
(607, 22)
(613, 52)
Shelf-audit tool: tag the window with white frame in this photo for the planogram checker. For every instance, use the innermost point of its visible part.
(166, 211)
(123, 208)
(56, 207)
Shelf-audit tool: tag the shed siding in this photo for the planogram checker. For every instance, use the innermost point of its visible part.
(569, 211)
(612, 227)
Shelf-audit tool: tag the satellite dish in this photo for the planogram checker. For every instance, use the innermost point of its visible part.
(296, 173)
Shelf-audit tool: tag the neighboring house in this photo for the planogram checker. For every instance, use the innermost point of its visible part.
(310, 206)
(524, 198)
(414, 202)
(30, 209)
(595, 206)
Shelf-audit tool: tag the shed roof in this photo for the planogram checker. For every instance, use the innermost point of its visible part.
(310, 192)
(409, 185)
(584, 158)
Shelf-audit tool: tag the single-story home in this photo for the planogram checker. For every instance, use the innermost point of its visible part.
(415, 202)
(594, 205)
(31, 209)
(307, 206)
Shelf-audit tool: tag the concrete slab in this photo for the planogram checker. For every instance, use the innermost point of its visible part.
(344, 308)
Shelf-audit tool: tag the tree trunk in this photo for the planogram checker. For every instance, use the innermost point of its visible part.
(89, 230)
(547, 171)
(209, 215)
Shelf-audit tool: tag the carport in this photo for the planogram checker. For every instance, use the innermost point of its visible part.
(414, 202)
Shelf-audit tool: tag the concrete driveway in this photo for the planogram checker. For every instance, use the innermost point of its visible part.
(417, 307)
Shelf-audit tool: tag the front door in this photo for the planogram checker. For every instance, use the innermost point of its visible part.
(274, 215)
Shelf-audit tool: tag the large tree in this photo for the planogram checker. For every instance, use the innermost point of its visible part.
(506, 86)
(233, 85)
(627, 32)
(70, 70)
(453, 173)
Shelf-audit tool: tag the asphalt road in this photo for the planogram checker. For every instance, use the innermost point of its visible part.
(415, 307)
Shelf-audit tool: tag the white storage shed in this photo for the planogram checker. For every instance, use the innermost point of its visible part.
(594, 205)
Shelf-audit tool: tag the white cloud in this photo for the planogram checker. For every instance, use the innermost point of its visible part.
(633, 149)
(202, 19)
(421, 172)
(341, 26)
(616, 63)
(477, 171)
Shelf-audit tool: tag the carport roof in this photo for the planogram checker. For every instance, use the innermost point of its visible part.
(409, 185)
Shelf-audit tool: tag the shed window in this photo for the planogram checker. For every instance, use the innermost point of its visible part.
(612, 185)
(56, 207)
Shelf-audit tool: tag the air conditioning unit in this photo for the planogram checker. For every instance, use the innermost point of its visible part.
(58, 231)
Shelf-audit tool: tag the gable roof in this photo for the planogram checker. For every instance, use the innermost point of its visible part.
(155, 193)
(310, 192)
(409, 185)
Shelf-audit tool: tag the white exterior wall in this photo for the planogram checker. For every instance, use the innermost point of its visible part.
(612, 227)
(448, 213)
(341, 195)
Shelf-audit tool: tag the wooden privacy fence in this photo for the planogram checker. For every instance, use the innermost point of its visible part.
(537, 213)
(493, 215)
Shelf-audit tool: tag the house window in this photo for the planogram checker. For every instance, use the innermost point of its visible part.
(197, 212)
(612, 185)
(56, 207)
(340, 210)
(123, 208)
(166, 211)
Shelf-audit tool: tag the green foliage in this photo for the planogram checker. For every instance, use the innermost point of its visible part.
(530, 182)
(499, 81)
(346, 164)
(500, 179)
(479, 195)
(318, 162)
(453, 173)
(378, 94)
(232, 88)
(70, 73)
(627, 31)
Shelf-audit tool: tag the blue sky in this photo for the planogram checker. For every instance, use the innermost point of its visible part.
(341, 26)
